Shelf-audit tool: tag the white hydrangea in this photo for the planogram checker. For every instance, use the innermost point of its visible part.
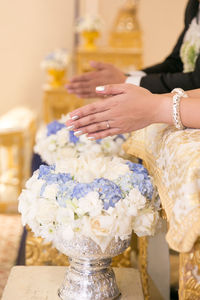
(58, 147)
(57, 60)
(89, 23)
(86, 216)
(90, 204)
(144, 223)
(85, 169)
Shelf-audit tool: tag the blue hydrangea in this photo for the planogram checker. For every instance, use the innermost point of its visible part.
(45, 173)
(82, 189)
(44, 170)
(98, 141)
(139, 179)
(109, 192)
(138, 168)
(65, 192)
(120, 136)
(72, 138)
(54, 127)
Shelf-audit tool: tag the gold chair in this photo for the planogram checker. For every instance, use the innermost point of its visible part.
(15, 163)
(11, 172)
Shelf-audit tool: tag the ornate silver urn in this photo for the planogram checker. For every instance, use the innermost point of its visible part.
(90, 276)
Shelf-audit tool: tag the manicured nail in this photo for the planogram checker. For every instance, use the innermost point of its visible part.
(79, 132)
(70, 127)
(100, 88)
(91, 138)
(74, 117)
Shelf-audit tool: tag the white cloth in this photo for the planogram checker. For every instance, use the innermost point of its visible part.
(135, 77)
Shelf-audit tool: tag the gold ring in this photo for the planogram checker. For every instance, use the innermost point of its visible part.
(107, 124)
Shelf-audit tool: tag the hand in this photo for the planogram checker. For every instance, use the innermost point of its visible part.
(130, 108)
(84, 85)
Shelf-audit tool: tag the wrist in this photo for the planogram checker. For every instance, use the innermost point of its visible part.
(163, 109)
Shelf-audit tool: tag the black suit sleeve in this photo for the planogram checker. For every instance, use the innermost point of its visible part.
(165, 82)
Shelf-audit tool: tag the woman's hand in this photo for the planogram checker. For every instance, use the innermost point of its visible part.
(84, 85)
(129, 108)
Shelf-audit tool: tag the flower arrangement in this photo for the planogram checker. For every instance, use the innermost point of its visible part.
(100, 198)
(89, 23)
(57, 60)
(190, 48)
(55, 142)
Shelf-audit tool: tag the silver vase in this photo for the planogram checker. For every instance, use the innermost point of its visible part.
(90, 276)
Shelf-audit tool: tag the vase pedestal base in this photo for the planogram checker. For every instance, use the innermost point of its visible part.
(89, 280)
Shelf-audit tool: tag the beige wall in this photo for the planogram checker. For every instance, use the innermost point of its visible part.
(29, 29)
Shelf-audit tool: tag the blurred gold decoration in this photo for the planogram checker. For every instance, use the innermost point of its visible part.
(55, 64)
(57, 78)
(189, 274)
(57, 102)
(17, 134)
(89, 26)
(126, 32)
(124, 59)
(90, 39)
(142, 256)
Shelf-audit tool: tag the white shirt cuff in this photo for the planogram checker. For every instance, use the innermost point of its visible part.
(135, 77)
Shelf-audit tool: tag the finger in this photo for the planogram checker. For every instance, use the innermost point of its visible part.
(83, 77)
(89, 109)
(96, 127)
(78, 85)
(91, 119)
(104, 133)
(86, 95)
(111, 89)
(98, 65)
(80, 91)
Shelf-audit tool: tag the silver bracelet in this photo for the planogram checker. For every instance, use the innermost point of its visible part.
(178, 94)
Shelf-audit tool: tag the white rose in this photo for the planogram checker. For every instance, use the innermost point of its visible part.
(34, 184)
(46, 211)
(134, 202)
(64, 118)
(90, 204)
(103, 225)
(62, 137)
(48, 231)
(65, 215)
(50, 191)
(145, 223)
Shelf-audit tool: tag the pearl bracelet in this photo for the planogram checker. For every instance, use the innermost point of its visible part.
(178, 94)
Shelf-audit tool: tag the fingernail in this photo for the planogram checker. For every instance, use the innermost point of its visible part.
(100, 88)
(70, 127)
(79, 132)
(91, 138)
(74, 117)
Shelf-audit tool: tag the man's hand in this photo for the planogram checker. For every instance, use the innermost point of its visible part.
(84, 85)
